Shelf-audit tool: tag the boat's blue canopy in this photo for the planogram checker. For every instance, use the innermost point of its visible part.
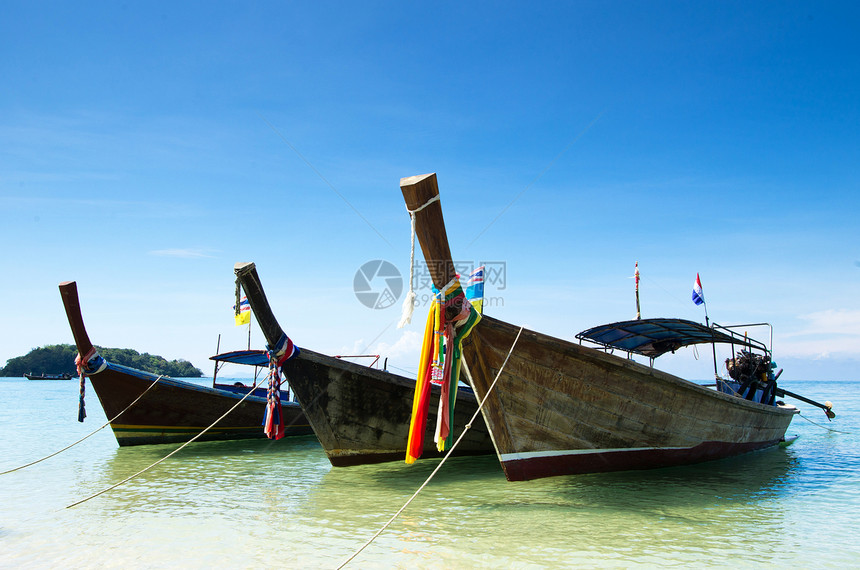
(654, 337)
(249, 357)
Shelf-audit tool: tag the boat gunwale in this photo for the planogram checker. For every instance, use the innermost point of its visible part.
(540, 339)
(355, 368)
(183, 384)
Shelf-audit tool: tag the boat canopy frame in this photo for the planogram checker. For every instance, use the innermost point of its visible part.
(657, 336)
(247, 357)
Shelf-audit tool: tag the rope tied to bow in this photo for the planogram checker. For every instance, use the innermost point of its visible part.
(409, 301)
(87, 365)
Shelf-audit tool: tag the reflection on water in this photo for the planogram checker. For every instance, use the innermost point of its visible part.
(252, 503)
(696, 509)
(227, 470)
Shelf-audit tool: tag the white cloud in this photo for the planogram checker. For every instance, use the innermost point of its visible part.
(409, 343)
(826, 334)
(821, 349)
(833, 321)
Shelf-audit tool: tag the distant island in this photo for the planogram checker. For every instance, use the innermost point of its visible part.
(60, 358)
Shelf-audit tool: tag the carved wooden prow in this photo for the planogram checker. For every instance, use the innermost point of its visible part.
(69, 293)
(246, 273)
(420, 192)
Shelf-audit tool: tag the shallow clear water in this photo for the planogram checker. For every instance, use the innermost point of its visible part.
(249, 504)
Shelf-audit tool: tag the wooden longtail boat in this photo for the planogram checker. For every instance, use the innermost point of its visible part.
(174, 411)
(359, 414)
(561, 408)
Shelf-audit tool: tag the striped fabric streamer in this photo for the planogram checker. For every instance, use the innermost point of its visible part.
(440, 349)
(459, 332)
(273, 421)
(421, 399)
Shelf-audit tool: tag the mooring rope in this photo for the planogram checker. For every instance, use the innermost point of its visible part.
(824, 427)
(409, 300)
(444, 459)
(178, 449)
(91, 433)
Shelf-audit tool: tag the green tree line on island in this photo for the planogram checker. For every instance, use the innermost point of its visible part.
(60, 358)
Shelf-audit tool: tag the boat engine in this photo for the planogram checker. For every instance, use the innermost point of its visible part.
(754, 374)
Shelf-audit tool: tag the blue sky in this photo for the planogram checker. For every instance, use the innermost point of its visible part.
(147, 147)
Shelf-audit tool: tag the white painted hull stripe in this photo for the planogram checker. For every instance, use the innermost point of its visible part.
(556, 453)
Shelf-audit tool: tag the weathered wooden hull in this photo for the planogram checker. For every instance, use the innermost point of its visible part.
(560, 408)
(361, 415)
(175, 411)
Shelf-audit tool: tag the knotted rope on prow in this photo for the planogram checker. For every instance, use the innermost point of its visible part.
(87, 365)
(441, 353)
(409, 301)
(273, 422)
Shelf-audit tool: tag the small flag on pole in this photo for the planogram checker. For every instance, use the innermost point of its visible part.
(475, 289)
(243, 313)
(698, 295)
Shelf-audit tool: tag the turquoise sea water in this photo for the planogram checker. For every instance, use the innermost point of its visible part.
(252, 504)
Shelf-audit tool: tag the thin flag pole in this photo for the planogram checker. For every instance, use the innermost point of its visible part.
(713, 343)
(217, 351)
(699, 299)
(636, 277)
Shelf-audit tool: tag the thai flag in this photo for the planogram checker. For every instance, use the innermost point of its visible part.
(698, 296)
(475, 284)
(475, 288)
(243, 316)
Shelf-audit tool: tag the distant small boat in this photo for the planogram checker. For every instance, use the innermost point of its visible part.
(63, 376)
(174, 411)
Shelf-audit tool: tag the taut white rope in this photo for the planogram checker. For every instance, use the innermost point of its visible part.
(444, 459)
(178, 449)
(91, 433)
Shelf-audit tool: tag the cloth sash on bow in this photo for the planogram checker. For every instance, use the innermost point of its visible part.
(273, 421)
(87, 365)
(440, 363)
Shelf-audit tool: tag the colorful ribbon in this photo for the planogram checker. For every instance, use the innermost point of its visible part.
(441, 350)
